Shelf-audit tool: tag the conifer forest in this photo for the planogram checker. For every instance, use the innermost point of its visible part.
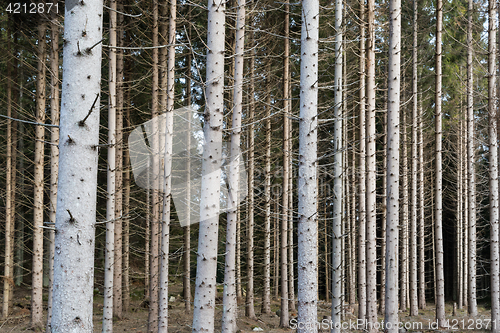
(249, 165)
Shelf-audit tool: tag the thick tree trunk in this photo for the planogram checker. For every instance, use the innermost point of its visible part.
(37, 270)
(204, 301)
(392, 222)
(307, 184)
(79, 130)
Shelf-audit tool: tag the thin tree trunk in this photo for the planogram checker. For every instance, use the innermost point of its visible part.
(54, 153)
(169, 85)
(383, 245)
(338, 170)
(284, 317)
(440, 315)
(155, 195)
(414, 171)
(8, 278)
(230, 306)
(249, 302)
(403, 230)
(147, 237)
(471, 223)
(266, 296)
(421, 206)
(118, 237)
(291, 270)
(186, 282)
(460, 204)
(109, 265)
(79, 128)
(371, 160)
(126, 212)
(19, 240)
(392, 222)
(351, 213)
(37, 270)
(361, 190)
(493, 166)
(276, 246)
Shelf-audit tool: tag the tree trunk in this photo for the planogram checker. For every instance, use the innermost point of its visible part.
(118, 237)
(471, 223)
(371, 165)
(37, 270)
(392, 222)
(338, 170)
(109, 264)
(186, 282)
(54, 153)
(249, 302)
(493, 166)
(421, 206)
(361, 190)
(403, 231)
(167, 179)
(8, 279)
(155, 195)
(414, 171)
(79, 130)
(307, 184)
(266, 295)
(230, 306)
(284, 317)
(440, 315)
(460, 212)
(204, 301)
(126, 212)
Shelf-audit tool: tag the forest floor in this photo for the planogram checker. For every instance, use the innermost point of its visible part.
(135, 321)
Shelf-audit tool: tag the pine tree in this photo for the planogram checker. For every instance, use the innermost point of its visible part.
(204, 299)
(393, 106)
(307, 185)
(79, 133)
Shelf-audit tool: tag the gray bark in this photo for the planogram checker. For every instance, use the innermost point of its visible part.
(79, 133)
(204, 300)
(338, 170)
(307, 182)
(392, 222)
(493, 166)
(37, 268)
